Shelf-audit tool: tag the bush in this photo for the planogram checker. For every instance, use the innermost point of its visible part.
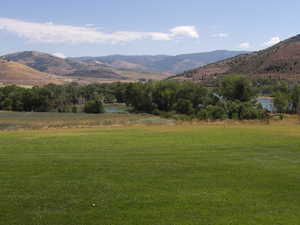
(247, 111)
(216, 112)
(281, 116)
(184, 106)
(74, 109)
(64, 109)
(167, 115)
(93, 106)
(233, 109)
(203, 115)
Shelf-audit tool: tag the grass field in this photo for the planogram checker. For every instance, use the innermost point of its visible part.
(34, 120)
(151, 175)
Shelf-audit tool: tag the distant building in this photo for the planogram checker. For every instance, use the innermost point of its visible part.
(267, 103)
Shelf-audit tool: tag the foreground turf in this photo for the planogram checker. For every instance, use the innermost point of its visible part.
(177, 175)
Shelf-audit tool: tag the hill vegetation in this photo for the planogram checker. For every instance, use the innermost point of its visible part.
(281, 60)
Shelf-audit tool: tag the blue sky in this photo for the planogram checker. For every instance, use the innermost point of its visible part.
(98, 27)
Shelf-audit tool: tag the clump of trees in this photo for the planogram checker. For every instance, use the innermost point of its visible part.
(94, 106)
(61, 98)
(233, 98)
(286, 93)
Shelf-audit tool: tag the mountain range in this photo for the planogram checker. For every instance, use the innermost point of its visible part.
(161, 63)
(105, 69)
(281, 60)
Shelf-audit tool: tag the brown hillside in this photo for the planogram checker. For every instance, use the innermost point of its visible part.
(78, 69)
(281, 60)
(19, 74)
(54, 65)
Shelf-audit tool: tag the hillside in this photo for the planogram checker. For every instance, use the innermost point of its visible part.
(114, 68)
(67, 67)
(161, 63)
(16, 73)
(59, 66)
(281, 60)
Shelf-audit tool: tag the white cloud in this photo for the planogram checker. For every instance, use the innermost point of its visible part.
(220, 35)
(244, 45)
(59, 55)
(272, 41)
(185, 31)
(52, 33)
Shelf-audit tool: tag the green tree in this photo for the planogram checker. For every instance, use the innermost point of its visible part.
(94, 106)
(237, 88)
(295, 97)
(184, 106)
(216, 112)
(281, 102)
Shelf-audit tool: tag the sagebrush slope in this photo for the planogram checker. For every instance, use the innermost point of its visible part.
(281, 60)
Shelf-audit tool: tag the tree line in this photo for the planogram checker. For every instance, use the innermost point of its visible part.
(234, 97)
(71, 97)
(286, 93)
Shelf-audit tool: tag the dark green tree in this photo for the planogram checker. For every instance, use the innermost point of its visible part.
(94, 106)
(281, 102)
(237, 88)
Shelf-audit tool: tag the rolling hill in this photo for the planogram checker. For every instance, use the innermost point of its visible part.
(54, 65)
(114, 68)
(281, 60)
(67, 67)
(161, 63)
(19, 74)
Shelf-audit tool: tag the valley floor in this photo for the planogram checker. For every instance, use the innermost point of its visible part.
(189, 174)
(50, 120)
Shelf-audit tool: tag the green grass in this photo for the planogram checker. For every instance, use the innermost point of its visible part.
(155, 175)
(35, 120)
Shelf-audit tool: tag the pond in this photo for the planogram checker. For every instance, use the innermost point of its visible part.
(116, 108)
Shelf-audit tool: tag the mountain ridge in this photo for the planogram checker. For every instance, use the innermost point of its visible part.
(281, 60)
(162, 63)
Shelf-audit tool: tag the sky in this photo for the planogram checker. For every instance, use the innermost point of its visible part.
(72, 28)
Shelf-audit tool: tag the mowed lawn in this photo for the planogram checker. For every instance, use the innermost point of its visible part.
(151, 175)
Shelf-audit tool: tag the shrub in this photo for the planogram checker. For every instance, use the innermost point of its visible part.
(203, 115)
(93, 106)
(216, 112)
(184, 106)
(74, 109)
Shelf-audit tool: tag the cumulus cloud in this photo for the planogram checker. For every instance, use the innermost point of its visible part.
(185, 31)
(59, 55)
(272, 41)
(244, 45)
(220, 35)
(52, 33)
